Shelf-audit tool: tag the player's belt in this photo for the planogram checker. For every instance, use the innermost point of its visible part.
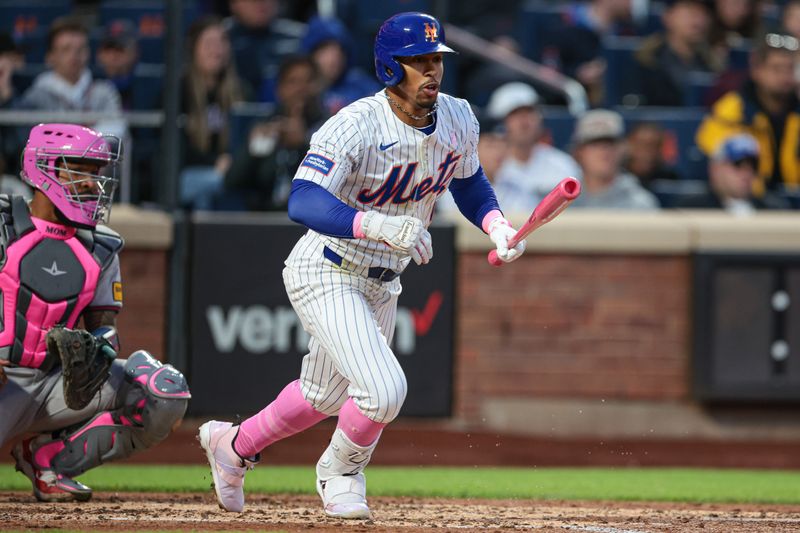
(379, 273)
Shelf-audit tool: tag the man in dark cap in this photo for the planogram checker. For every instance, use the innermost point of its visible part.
(732, 171)
(117, 56)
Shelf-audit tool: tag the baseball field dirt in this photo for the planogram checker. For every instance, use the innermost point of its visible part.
(199, 512)
(421, 444)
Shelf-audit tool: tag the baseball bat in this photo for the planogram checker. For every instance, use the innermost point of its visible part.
(549, 208)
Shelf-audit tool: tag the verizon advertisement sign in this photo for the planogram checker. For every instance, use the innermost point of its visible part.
(247, 343)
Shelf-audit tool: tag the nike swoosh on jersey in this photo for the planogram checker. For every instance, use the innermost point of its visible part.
(387, 146)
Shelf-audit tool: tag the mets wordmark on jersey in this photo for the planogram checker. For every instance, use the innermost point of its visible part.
(372, 161)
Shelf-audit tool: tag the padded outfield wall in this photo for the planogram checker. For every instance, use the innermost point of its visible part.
(604, 328)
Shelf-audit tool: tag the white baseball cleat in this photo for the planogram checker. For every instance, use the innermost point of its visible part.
(345, 496)
(227, 468)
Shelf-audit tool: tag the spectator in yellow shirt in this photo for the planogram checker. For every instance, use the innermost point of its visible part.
(767, 108)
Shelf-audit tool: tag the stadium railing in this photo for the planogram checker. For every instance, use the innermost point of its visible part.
(469, 43)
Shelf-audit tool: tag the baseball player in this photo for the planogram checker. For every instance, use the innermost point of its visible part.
(366, 190)
(70, 402)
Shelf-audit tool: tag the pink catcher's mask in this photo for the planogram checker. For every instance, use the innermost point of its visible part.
(75, 167)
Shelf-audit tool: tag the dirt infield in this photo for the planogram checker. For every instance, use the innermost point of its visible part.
(198, 512)
(426, 444)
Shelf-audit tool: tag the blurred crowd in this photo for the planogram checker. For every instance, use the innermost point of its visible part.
(735, 63)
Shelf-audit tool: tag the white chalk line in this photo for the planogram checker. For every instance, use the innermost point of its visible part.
(603, 529)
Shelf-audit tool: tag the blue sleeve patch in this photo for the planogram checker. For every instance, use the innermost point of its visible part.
(321, 164)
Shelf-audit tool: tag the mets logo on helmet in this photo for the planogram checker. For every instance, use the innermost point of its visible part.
(431, 33)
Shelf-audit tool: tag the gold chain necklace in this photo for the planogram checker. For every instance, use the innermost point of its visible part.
(414, 117)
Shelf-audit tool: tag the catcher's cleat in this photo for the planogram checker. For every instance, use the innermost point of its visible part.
(48, 485)
(345, 496)
(227, 468)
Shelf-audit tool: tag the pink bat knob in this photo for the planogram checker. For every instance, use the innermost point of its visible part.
(493, 259)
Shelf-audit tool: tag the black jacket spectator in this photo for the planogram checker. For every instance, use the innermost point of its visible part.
(667, 60)
(260, 176)
(576, 46)
(260, 41)
(664, 75)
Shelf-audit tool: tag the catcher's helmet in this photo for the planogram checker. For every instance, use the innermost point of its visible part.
(405, 35)
(83, 198)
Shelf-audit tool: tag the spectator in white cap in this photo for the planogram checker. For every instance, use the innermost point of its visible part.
(732, 171)
(597, 147)
(531, 167)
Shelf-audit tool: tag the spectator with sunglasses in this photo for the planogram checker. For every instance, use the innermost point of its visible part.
(731, 174)
(766, 107)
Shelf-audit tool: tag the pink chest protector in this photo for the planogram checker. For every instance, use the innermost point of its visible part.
(48, 276)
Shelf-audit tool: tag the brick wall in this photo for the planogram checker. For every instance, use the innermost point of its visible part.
(572, 326)
(142, 322)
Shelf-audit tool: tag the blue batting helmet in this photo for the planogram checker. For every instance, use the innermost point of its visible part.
(405, 35)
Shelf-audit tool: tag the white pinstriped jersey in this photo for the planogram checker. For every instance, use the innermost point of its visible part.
(372, 161)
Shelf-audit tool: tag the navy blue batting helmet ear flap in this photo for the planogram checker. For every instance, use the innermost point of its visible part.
(388, 69)
(406, 35)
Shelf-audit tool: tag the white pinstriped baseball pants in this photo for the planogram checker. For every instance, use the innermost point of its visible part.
(351, 320)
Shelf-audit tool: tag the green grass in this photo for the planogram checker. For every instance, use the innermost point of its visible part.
(631, 484)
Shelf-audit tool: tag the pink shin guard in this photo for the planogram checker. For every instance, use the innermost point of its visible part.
(358, 428)
(43, 456)
(290, 413)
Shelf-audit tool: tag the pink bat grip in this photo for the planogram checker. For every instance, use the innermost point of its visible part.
(549, 208)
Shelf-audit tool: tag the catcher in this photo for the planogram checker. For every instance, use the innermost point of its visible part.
(64, 395)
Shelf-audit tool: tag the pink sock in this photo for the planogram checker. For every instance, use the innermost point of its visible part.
(358, 428)
(290, 413)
